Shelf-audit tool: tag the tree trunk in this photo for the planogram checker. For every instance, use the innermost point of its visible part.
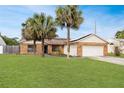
(68, 42)
(34, 43)
(42, 47)
(34, 47)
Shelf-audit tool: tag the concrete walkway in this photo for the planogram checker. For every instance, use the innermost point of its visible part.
(109, 59)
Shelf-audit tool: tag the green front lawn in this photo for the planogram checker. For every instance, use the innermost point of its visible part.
(34, 71)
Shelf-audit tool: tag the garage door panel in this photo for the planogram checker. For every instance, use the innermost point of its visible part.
(92, 50)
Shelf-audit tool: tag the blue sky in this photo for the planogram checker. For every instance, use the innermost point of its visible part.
(109, 19)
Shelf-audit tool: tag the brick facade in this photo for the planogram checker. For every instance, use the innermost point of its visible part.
(23, 48)
(38, 49)
(105, 50)
(49, 49)
(79, 49)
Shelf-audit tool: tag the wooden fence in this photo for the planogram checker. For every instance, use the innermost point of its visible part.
(11, 49)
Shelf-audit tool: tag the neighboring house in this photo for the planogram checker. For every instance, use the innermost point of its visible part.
(2, 44)
(89, 45)
(115, 43)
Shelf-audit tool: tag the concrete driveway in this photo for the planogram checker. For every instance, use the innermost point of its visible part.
(109, 59)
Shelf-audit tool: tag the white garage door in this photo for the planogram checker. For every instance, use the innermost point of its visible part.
(92, 51)
(1, 49)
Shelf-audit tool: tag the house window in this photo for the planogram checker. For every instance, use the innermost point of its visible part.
(55, 48)
(30, 48)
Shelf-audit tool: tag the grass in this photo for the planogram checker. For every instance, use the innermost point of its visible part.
(58, 72)
(121, 55)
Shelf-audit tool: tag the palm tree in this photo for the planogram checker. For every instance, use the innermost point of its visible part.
(46, 28)
(39, 27)
(29, 31)
(69, 17)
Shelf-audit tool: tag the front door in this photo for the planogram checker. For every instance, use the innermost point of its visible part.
(46, 49)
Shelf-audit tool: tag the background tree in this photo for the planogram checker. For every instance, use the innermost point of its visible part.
(10, 41)
(69, 17)
(117, 51)
(120, 34)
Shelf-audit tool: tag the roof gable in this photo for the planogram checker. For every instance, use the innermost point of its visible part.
(90, 38)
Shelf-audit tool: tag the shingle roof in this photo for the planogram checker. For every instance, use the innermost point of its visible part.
(81, 38)
(55, 41)
(87, 36)
(59, 41)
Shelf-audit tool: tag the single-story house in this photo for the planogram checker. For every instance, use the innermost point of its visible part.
(2, 44)
(52, 46)
(89, 45)
(113, 42)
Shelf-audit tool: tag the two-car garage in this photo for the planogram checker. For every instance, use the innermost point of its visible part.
(89, 45)
(92, 51)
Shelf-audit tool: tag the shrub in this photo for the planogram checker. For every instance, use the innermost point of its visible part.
(117, 51)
